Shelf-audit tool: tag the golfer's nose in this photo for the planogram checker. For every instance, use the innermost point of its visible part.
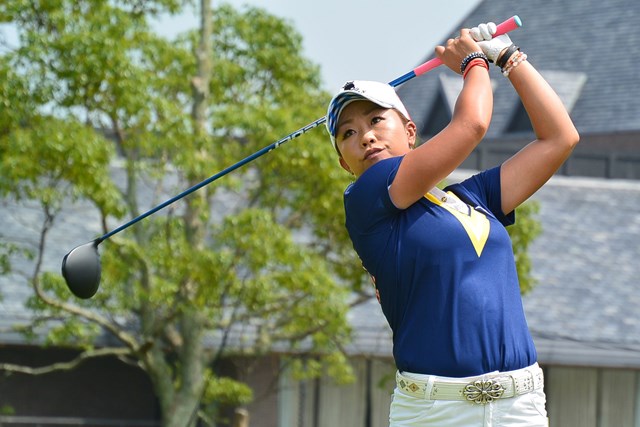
(368, 138)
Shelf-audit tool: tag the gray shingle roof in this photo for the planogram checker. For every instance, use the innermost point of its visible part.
(598, 40)
(587, 265)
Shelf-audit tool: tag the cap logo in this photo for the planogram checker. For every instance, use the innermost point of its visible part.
(352, 87)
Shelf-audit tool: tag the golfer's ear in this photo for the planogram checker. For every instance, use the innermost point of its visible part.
(345, 166)
(412, 133)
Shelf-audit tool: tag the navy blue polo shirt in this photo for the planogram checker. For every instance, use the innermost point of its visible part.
(446, 278)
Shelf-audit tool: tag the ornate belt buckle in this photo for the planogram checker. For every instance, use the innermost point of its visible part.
(483, 391)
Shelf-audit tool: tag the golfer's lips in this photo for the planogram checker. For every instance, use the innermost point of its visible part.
(371, 152)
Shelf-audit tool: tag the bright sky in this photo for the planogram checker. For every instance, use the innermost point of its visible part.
(351, 39)
(360, 39)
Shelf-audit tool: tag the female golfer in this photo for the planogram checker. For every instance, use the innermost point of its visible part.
(442, 261)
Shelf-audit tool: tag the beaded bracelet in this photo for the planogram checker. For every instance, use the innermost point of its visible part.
(513, 63)
(473, 63)
(473, 55)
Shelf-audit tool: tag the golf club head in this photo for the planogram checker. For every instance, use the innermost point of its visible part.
(81, 270)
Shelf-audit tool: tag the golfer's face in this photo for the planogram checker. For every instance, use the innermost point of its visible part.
(367, 133)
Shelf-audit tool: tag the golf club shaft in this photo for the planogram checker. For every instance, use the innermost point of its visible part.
(504, 27)
(212, 178)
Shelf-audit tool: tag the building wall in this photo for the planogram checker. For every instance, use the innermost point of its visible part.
(262, 375)
(108, 389)
(593, 397)
(103, 388)
(324, 403)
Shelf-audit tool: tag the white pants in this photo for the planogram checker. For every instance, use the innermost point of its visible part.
(526, 410)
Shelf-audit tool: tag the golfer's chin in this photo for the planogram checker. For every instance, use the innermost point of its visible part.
(375, 158)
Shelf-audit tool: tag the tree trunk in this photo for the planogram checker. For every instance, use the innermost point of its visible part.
(241, 418)
(182, 411)
(200, 90)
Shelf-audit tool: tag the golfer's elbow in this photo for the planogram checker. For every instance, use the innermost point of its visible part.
(568, 138)
(572, 138)
(477, 128)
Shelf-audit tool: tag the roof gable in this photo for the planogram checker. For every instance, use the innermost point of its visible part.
(586, 67)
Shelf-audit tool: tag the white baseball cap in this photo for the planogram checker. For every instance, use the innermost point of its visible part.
(379, 93)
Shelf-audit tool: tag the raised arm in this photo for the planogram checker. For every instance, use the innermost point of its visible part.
(524, 173)
(425, 166)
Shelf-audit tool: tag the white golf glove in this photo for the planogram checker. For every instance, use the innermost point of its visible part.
(483, 35)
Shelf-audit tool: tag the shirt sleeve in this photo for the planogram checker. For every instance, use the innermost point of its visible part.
(367, 201)
(483, 191)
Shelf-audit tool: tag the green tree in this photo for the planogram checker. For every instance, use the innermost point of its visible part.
(522, 234)
(261, 253)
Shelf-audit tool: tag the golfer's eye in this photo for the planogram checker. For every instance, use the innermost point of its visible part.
(347, 133)
(376, 119)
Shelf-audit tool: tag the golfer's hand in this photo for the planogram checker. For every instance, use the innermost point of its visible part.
(492, 47)
(455, 50)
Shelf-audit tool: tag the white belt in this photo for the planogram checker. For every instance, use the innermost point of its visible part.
(481, 389)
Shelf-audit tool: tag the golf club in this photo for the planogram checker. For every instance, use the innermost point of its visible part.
(81, 266)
